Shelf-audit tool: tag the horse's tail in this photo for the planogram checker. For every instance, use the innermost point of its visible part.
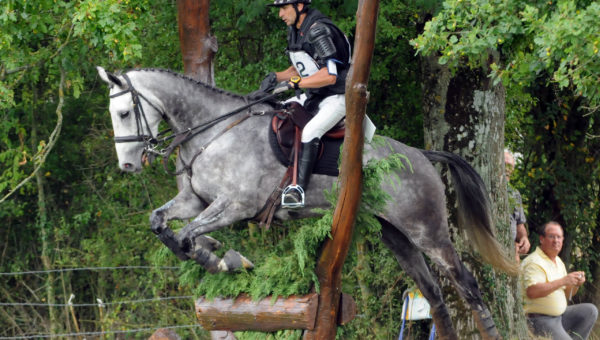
(474, 212)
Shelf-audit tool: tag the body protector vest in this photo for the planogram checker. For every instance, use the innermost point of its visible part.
(317, 44)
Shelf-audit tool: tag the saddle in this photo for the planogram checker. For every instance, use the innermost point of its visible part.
(284, 132)
(287, 125)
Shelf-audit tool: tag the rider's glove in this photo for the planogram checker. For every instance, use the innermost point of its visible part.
(258, 95)
(266, 86)
(269, 83)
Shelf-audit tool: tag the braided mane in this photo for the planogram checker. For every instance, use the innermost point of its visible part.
(186, 78)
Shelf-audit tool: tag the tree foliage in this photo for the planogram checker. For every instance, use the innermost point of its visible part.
(555, 38)
(546, 55)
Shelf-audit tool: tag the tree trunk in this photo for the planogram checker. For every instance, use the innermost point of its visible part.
(333, 256)
(464, 114)
(42, 218)
(198, 46)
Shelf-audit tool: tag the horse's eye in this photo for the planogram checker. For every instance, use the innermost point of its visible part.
(124, 114)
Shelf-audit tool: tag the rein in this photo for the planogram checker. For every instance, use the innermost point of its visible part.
(179, 138)
(184, 138)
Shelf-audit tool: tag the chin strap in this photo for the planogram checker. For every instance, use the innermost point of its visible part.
(298, 12)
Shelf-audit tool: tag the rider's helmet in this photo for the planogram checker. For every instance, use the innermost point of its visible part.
(278, 3)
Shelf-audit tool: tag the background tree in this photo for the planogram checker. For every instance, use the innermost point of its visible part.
(547, 61)
(65, 218)
(198, 46)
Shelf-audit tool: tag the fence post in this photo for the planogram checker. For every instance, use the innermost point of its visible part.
(335, 250)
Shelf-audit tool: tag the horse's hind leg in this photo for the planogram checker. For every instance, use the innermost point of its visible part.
(412, 261)
(445, 256)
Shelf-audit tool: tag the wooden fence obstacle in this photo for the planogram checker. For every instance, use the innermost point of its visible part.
(267, 315)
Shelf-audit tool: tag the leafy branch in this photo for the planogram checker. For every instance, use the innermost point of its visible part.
(4, 72)
(41, 157)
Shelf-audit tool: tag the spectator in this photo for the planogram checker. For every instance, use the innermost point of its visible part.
(547, 288)
(518, 231)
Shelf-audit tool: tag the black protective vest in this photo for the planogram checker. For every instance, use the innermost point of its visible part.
(298, 40)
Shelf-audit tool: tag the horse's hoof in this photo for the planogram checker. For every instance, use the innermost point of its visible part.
(486, 325)
(233, 261)
(207, 242)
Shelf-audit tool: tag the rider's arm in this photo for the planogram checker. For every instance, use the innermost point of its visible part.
(286, 74)
(319, 79)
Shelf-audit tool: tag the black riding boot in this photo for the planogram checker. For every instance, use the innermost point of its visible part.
(306, 164)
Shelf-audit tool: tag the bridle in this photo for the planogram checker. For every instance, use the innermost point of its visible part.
(151, 143)
(140, 118)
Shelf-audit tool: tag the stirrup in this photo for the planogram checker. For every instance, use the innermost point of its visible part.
(292, 205)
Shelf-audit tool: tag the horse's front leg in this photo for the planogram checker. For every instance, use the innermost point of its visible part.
(220, 213)
(184, 205)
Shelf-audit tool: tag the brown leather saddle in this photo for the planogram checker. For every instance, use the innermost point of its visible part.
(287, 126)
(284, 137)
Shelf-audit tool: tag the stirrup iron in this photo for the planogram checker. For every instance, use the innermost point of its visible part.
(292, 205)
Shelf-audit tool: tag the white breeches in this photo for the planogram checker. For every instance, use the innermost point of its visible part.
(331, 110)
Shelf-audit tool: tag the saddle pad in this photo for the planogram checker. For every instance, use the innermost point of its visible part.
(327, 164)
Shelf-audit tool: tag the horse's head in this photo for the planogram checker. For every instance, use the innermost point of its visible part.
(135, 120)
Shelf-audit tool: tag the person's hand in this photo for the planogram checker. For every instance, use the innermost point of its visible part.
(283, 86)
(575, 278)
(266, 86)
(269, 83)
(257, 95)
(523, 245)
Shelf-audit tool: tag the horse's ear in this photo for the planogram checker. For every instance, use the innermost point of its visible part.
(109, 77)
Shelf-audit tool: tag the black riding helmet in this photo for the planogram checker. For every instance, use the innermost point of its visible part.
(279, 3)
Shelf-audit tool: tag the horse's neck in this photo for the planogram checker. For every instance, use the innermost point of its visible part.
(187, 104)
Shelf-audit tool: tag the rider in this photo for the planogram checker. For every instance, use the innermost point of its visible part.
(320, 56)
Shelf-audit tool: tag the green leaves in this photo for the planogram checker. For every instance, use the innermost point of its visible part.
(559, 39)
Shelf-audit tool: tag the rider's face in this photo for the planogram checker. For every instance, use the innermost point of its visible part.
(288, 14)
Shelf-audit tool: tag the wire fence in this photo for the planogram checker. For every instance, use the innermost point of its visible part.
(62, 270)
(71, 335)
(99, 303)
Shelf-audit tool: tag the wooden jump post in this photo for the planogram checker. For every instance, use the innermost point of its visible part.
(330, 305)
(329, 267)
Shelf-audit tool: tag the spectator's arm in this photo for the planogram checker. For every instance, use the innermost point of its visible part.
(522, 240)
(570, 281)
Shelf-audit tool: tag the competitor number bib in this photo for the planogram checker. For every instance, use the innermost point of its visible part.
(305, 65)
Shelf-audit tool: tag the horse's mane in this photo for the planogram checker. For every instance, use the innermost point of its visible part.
(186, 78)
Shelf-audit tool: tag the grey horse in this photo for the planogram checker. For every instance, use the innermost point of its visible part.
(228, 171)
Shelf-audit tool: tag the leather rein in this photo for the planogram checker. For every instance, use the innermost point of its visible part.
(151, 142)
